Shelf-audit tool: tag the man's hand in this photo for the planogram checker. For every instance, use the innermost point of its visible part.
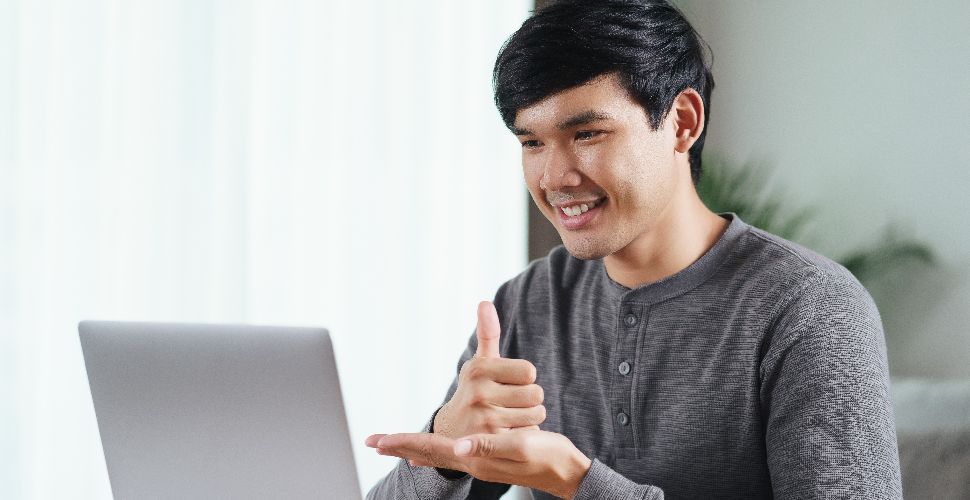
(494, 394)
(536, 459)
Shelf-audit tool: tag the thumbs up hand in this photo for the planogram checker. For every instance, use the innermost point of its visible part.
(472, 431)
(494, 394)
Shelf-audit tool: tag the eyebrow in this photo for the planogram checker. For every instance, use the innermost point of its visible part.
(582, 118)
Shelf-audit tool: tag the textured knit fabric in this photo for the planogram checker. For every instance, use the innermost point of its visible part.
(759, 371)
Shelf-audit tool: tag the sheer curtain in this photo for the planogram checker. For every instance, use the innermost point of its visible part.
(285, 162)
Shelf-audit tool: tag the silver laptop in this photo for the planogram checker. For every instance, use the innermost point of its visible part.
(193, 411)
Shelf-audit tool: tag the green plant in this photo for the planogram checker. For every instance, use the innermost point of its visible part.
(745, 190)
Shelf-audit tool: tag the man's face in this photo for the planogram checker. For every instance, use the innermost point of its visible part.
(592, 144)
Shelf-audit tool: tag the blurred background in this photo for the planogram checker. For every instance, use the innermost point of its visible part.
(341, 164)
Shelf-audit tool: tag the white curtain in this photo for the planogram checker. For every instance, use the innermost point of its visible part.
(283, 162)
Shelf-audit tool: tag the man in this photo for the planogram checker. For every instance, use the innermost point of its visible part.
(664, 351)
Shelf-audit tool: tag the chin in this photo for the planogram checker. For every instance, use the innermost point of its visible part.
(585, 249)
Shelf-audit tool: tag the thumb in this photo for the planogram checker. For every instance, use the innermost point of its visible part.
(504, 446)
(487, 331)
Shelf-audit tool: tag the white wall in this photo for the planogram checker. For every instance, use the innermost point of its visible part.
(279, 162)
(864, 109)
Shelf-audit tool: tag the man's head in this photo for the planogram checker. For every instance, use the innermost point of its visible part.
(649, 44)
(602, 95)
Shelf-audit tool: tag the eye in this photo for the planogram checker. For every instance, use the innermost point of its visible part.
(585, 135)
(530, 144)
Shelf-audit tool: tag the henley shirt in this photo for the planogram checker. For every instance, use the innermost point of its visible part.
(759, 371)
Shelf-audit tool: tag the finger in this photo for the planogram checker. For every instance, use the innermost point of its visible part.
(419, 463)
(517, 417)
(508, 446)
(372, 440)
(488, 331)
(427, 448)
(516, 396)
(501, 370)
(525, 417)
(517, 429)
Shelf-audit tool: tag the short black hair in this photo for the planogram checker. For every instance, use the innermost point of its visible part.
(648, 43)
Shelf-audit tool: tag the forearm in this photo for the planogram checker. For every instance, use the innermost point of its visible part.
(604, 483)
(418, 483)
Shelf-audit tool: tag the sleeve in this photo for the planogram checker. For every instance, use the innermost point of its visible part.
(603, 483)
(414, 483)
(825, 396)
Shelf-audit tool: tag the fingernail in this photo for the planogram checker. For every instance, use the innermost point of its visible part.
(463, 447)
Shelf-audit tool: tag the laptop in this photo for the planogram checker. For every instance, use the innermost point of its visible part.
(201, 411)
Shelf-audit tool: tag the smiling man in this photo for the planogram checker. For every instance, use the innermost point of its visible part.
(664, 351)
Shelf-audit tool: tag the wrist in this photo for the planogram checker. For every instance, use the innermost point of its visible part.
(579, 465)
(439, 424)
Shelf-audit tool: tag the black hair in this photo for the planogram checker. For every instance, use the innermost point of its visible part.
(648, 43)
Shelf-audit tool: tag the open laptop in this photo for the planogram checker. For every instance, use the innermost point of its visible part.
(193, 411)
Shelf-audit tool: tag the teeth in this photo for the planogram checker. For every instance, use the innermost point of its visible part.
(575, 210)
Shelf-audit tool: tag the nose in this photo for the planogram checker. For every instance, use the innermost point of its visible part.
(559, 170)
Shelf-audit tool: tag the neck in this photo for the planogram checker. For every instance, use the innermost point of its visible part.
(684, 232)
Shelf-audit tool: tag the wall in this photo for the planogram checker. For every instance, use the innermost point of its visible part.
(862, 107)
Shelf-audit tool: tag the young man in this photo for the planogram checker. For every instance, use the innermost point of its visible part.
(664, 351)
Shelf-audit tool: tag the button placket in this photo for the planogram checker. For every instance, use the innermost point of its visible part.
(630, 320)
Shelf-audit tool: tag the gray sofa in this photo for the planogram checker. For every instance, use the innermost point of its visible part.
(933, 428)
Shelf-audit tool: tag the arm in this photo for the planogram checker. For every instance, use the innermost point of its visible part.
(825, 393)
(604, 483)
(540, 460)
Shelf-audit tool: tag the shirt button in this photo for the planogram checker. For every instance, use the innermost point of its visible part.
(630, 319)
(624, 368)
(622, 418)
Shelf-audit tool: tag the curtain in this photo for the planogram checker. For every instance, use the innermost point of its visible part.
(335, 164)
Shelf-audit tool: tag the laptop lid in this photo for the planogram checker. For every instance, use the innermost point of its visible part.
(195, 411)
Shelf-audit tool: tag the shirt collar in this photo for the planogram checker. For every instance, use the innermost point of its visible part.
(684, 280)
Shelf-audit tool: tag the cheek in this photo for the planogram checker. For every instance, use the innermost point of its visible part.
(531, 172)
(532, 176)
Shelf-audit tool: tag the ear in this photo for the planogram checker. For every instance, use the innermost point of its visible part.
(687, 112)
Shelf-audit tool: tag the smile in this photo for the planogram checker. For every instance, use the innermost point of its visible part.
(580, 215)
(581, 208)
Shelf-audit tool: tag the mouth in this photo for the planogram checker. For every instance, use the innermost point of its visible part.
(577, 216)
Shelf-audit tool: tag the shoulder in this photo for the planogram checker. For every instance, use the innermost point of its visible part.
(797, 277)
(788, 254)
(785, 274)
(816, 302)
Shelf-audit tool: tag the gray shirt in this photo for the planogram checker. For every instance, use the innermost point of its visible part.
(758, 371)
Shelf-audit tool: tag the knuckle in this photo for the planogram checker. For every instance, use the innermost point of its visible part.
(530, 371)
(491, 421)
(486, 448)
(540, 414)
(472, 369)
(476, 395)
(538, 394)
